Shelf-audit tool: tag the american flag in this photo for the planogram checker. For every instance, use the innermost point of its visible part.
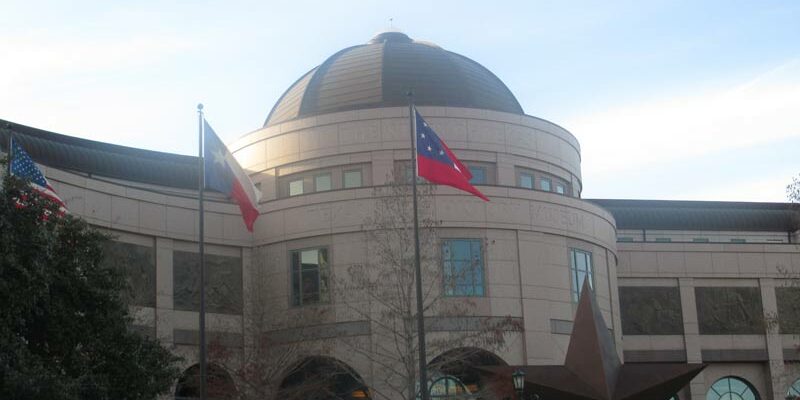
(23, 167)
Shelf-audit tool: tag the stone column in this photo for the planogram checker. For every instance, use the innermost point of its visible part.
(691, 335)
(164, 301)
(774, 345)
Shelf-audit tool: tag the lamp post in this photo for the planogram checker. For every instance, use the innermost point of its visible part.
(518, 379)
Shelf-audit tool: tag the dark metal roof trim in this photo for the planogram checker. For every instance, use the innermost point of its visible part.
(103, 159)
(702, 215)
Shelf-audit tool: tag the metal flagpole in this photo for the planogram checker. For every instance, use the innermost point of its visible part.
(201, 186)
(423, 365)
(10, 149)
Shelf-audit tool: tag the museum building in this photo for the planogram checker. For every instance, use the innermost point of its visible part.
(675, 281)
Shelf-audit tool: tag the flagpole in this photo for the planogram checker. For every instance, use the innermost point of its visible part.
(423, 365)
(10, 149)
(201, 184)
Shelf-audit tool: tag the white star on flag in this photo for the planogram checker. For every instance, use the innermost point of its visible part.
(429, 148)
(219, 158)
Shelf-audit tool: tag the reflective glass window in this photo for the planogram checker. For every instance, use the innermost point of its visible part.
(352, 179)
(463, 267)
(310, 276)
(544, 184)
(295, 187)
(478, 175)
(794, 390)
(322, 182)
(731, 388)
(526, 181)
(560, 188)
(581, 268)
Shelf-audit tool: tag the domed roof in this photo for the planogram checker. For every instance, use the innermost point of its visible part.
(381, 72)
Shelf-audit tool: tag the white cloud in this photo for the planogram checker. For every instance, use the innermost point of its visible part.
(667, 130)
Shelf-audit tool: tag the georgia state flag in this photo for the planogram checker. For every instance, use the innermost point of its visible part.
(223, 174)
(436, 163)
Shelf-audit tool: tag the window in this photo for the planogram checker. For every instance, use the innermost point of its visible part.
(580, 264)
(544, 184)
(700, 240)
(560, 188)
(738, 241)
(478, 175)
(731, 388)
(352, 179)
(794, 391)
(310, 276)
(663, 240)
(463, 267)
(448, 387)
(296, 187)
(526, 180)
(322, 182)
(624, 239)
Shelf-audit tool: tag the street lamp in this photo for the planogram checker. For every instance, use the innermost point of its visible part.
(518, 379)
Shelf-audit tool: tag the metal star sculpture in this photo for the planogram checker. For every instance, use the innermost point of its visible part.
(592, 369)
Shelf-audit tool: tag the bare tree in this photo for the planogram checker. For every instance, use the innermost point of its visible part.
(382, 291)
(276, 346)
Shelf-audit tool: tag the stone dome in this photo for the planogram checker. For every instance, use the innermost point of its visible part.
(381, 72)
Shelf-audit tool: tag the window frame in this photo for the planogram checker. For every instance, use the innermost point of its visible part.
(529, 175)
(542, 180)
(575, 289)
(728, 378)
(330, 181)
(302, 187)
(475, 284)
(483, 170)
(301, 303)
(360, 178)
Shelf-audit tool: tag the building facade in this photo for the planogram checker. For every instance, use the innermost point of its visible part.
(675, 281)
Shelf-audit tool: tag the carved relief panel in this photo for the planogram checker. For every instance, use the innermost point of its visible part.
(729, 310)
(223, 282)
(138, 266)
(650, 310)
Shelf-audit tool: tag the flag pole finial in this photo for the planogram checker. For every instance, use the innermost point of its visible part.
(199, 106)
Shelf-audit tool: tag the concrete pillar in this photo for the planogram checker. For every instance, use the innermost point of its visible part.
(691, 335)
(164, 300)
(778, 380)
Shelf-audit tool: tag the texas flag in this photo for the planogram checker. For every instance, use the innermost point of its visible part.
(223, 174)
(436, 163)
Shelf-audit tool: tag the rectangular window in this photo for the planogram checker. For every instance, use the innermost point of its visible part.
(296, 187)
(738, 241)
(310, 277)
(560, 188)
(544, 184)
(352, 179)
(580, 264)
(322, 182)
(478, 175)
(625, 239)
(526, 181)
(663, 240)
(700, 240)
(462, 263)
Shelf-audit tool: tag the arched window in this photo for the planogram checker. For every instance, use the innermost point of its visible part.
(219, 385)
(453, 375)
(449, 387)
(794, 391)
(731, 388)
(322, 378)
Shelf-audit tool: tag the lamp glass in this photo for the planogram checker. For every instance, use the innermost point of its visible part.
(518, 378)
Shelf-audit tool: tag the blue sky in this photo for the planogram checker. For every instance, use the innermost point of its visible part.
(669, 99)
